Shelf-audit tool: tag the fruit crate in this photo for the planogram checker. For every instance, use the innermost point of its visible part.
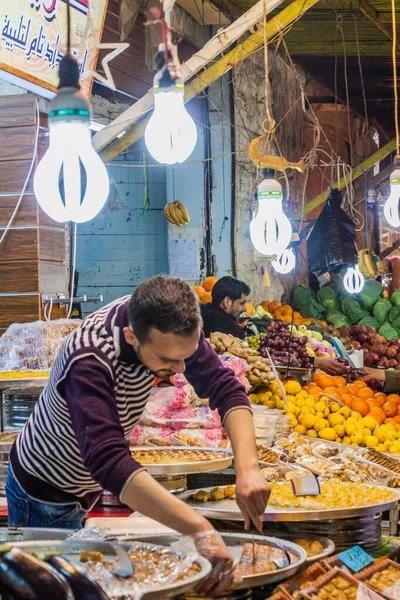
(377, 567)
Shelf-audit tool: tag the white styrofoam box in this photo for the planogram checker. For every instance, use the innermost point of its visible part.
(133, 525)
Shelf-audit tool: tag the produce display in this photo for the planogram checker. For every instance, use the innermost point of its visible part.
(283, 312)
(333, 495)
(284, 347)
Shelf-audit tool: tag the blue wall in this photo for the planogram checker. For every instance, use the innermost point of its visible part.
(121, 247)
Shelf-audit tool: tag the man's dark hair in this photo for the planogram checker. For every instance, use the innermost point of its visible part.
(165, 303)
(231, 287)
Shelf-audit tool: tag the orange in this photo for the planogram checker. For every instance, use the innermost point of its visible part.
(341, 389)
(377, 418)
(332, 391)
(392, 421)
(265, 305)
(338, 380)
(352, 389)
(205, 298)
(397, 418)
(395, 398)
(199, 290)
(359, 384)
(249, 309)
(318, 374)
(347, 399)
(398, 410)
(380, 397)
(209, 283)
(372, 403)
(361, 407)
(365, 393)
(379, 411)
(314, 390)
(274, 305)
(390, 409)
(325, 381)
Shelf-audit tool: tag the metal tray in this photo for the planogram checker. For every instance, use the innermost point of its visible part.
(33, 382)
(181, 468)
(228, 510)
(235, 542)
(30, 534)
(326, 543)
(71, 550)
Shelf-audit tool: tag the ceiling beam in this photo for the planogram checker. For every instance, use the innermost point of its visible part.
(198, 61)
(370, 162)
(307, 47)
(253, 43)
(373, 16)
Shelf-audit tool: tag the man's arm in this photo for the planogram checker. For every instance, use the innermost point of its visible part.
(212, 380)
(391, 379)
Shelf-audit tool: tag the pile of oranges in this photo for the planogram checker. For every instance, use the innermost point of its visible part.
(358, 397)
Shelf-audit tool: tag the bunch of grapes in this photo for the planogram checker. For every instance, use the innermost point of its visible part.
(284, 347)
(350, 373)
(254, 341)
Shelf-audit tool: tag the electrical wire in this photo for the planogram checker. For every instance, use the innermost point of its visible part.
(73, 270)
(33, 161)
(396, 93)
(361, 74)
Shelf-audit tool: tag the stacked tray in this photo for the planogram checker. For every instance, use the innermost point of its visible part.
(215, 459)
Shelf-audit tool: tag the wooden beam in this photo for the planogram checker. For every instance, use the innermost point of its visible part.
(357, 172)
(253, 43)
(373, 16)
(198, 61)
(298, 47)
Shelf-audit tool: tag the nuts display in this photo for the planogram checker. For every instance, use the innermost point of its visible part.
(382, 460)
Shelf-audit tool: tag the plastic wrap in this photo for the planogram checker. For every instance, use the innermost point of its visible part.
(206, 437)
(238, 365)
(177, 397)
(330, 243)
(33, 346)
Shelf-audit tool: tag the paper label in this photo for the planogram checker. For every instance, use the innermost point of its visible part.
(356, 558)
(305, 486)
(393, 591)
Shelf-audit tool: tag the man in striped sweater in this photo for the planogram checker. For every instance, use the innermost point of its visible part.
(75, 442)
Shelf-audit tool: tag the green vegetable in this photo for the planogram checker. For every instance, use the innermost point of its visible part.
(381, 310)
(328, 299)
(394, 316)
(370, 294)
(337, 319)
(388, 332)
(352, 308)
(303, 296)
(370, 322)
(395, 298)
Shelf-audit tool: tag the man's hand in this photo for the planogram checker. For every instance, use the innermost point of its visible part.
(223, 575)
(329, 365)
(252, 494)
(373, 374)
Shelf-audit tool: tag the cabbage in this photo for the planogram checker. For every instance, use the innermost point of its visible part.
(370, 294)
(337, 319)
(312, 310)
(394, 316)
(381, 310)
(302, 296)
(395, 298)
(370, 322)
(388, 332)
(328, 299)
(352, 308)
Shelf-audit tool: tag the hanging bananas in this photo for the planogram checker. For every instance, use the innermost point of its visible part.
(177, 214)
(370, 264)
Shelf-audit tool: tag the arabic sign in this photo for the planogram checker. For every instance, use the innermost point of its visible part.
(33, 39)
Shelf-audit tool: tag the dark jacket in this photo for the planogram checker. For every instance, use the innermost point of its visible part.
(215, 319)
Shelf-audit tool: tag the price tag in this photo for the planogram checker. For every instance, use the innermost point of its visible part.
(356, 558)
(305, 486)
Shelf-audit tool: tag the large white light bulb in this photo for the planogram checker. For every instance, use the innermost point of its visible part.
(171, 133)
(285, 263)
(71, 181)
(270, 229)
(391, 208)
(353, 280)
(70, 149)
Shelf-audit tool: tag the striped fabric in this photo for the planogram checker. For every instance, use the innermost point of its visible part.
(47, 447)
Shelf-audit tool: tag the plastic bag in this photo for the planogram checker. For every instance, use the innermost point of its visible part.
(174, 397)
(330, 242)
(238, 365)
(160, 415)
(33, 346)
(209, 438)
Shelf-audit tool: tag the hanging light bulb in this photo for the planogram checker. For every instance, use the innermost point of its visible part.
(285, 262)
(270, 229)
(171, 133)
(353, 280)
(391, 208)
(71, 181)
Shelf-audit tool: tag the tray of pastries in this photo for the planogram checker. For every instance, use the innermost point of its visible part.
(179, 460)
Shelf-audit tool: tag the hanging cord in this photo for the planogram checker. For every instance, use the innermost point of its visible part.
(366, 208)
(361, 75)
(396, 93)
(336, 101)
(68, 28)
(269, 123)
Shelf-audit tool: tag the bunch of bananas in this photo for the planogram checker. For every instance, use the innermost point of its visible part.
(176, 213)
(369, 263)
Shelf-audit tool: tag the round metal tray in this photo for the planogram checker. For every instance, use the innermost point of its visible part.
(71, 551)
(182, 468)
(30, 534)
(235, 542)
(326, 543)
(228, 510)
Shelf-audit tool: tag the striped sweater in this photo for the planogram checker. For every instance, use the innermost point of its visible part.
(74, 444)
